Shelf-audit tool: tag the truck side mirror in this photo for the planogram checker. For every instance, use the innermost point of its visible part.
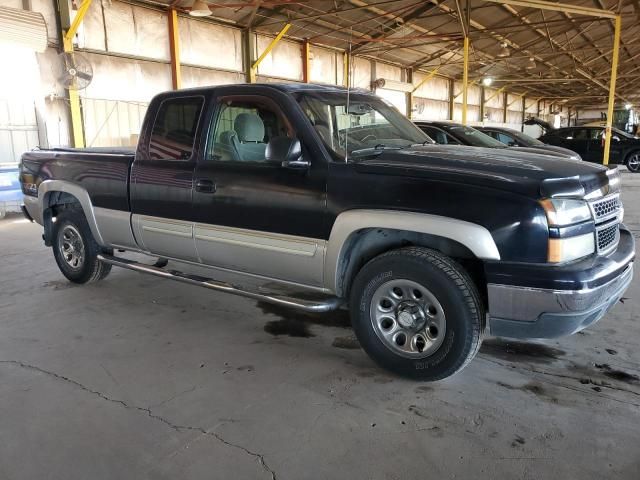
(286, 151)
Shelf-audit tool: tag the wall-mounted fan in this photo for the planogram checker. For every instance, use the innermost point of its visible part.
(77, 71)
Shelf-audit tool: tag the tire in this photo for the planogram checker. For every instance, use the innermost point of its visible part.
(439, 312)
(75, 249)
(633, 162)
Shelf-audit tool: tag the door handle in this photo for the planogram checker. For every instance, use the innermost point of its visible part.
(205, 186)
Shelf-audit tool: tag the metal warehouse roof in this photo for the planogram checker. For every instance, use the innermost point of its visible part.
(556, 54)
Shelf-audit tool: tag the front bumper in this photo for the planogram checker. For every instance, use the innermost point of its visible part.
(532, 311)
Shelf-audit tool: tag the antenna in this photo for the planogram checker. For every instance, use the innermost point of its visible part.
(346, 132)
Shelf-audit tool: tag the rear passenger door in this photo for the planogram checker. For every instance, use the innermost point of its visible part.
(162, 179)
(252, 215)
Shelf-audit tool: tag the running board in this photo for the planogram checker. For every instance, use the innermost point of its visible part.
(319, 305)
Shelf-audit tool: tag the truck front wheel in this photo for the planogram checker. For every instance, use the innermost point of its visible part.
(75, 249)
(417, 313)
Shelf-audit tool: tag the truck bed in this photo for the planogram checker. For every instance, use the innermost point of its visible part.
(102, 172)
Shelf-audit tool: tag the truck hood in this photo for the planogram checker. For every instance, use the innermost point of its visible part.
(510, 169)
(550, 150)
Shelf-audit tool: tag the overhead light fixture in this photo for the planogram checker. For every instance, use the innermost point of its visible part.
(487, 81)
(199, 9)
(628, 106)
(504, 51)
(532, 63)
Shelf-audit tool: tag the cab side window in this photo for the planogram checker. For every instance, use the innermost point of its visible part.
(174, 130)
(438, 135)
(506, 139)
(243, 128)
(581, 134)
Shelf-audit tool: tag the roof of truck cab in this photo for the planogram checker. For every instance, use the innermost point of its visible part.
(283, 87)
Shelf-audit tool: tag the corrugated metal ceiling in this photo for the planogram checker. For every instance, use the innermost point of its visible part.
(571, 53)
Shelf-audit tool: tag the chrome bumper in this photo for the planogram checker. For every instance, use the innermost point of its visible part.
(522, 312)
(32, 207)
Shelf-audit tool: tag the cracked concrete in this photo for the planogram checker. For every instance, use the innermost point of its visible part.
(140, 378)
(145, 410)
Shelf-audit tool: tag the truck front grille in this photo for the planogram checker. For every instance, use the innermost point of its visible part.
(607, 236)
(606, 208)
(607, 213)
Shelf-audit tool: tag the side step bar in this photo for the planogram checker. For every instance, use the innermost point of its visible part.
(319, 305)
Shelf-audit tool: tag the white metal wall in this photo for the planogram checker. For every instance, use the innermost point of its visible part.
(128, 47)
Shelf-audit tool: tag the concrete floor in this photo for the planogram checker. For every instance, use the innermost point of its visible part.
(141, 378)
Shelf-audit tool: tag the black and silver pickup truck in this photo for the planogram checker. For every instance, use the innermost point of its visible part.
(340, 201)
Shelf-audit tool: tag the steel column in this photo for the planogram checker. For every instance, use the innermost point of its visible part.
(465, 80)
(345, 69)
(306, 62)
(77, 131)
(174, 49)
(612, 88)
(409, 95)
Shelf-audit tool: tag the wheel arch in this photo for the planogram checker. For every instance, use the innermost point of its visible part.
(59, 192)
(359, 235)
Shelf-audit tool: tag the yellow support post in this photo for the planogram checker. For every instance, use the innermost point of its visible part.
(174, 49)
(274, 42)
(306, 62)
(612, 88)
(75, 108)
(82, 10)
(345, 69)
(465, 80)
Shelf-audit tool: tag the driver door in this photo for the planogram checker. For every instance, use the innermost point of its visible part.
(252, 215)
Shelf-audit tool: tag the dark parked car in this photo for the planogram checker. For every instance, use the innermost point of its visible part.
(589, 143)
(514, 138)
(335, 200)
(450, 133)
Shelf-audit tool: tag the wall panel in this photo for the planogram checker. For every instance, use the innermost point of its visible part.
(208, 45)
(324, 64)
(284, 61)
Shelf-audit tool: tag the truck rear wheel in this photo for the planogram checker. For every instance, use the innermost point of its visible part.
(75, 249)
(417, 313)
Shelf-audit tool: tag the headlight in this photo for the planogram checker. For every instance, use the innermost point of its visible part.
(571, 248)
(563, 212)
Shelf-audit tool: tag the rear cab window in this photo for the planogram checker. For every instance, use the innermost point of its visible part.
(174, 130)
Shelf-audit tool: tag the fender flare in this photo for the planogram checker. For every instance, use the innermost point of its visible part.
(473, 236)
(78, 192)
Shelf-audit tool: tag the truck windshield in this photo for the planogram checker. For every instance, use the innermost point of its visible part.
(473, 137)
(361, 123)
(526, 139)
